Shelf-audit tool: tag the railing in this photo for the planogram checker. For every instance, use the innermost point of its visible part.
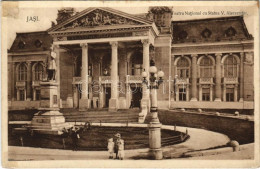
(134, 79)
(182, 80)
(77, 80)
(20, 84)
(230, 80)
(206, 80)
(36, 83)
(105, 79)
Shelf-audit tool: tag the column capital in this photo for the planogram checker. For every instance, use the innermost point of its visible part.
(218, 54)
(113, 44)
(84, 45)
(242, 53)
(29, 62)
(194, 55)
(145, 42)
(54, 46)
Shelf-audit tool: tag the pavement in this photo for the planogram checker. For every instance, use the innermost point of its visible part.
(200, 139)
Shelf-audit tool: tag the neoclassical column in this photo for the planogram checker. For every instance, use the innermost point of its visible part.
(146, 65)
(194, 78)
(241, 82)
(113, 101)
(218, 76)
(29, 81)
(235, 92)
(56, 50)
(84, 102)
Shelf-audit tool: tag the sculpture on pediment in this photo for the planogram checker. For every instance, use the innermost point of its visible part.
(99, 18)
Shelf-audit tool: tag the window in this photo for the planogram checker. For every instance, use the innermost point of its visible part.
(137, 64)
(205, 94)
(230, 67)
(90, 70)
(230, 94)
(22, 72)
(38, 72)
(55, 99)
(206, 67)
(183, 68)
(22, 96)
(182, 94)
(137, 69)
(38, 95)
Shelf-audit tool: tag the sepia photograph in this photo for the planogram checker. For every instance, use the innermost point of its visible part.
(126, 85)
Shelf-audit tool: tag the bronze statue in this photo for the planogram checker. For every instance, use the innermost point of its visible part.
(52, 67)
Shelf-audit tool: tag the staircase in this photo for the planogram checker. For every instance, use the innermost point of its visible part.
(101, 115)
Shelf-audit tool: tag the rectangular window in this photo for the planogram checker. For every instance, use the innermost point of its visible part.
(229, 94)
(90, 69)
(38, 94)
(22, 96)
(182, 94)
(55, 99)
(205, 94)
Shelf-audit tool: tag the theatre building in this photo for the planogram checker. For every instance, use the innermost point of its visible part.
(102, 52)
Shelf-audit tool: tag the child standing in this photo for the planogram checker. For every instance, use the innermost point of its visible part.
(121, 152)
(110, 147)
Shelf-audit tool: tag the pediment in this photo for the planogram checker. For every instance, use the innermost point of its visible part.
(100, 17)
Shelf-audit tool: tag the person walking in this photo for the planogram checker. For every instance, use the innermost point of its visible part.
(75, 138)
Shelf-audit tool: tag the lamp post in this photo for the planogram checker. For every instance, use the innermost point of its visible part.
(154, 126)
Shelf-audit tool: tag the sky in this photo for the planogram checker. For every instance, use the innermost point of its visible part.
(16, 22)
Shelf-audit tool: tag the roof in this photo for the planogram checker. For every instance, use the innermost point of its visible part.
(210, 30)
(31, 42)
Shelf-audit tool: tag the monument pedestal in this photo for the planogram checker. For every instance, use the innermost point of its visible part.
(113, 104)
(49, 120)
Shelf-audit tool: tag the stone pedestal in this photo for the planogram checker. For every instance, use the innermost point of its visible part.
(155, 151)
(84, 104)
(113, 104)
(49, 120)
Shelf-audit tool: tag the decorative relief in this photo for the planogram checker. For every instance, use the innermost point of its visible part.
(206, 33)
(98, 18)
(230, 32)
(249, 59)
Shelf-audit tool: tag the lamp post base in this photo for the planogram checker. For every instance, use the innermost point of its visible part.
(156, 154)
(155, 151)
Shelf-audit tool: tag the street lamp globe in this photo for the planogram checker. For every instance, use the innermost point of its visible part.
(160, 74)
(144, 74)
(153, 69)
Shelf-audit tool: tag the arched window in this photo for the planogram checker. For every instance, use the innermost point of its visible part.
(137, 64)
(183, 68)
(230, 67)
(206, 67)
(38, 72)
(22, 72)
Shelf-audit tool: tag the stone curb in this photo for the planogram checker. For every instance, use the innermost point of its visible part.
(215, 151)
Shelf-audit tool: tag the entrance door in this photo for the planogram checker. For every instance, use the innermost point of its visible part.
(136, 96)
(107, 96)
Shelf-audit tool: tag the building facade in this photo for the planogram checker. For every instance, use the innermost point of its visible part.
(101, 54)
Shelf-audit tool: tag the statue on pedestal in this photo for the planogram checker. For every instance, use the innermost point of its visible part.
(52, 67)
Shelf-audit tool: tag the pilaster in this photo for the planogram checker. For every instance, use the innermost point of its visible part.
(29, 81)
(194, 78)
(218, 76)
(241, 81)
